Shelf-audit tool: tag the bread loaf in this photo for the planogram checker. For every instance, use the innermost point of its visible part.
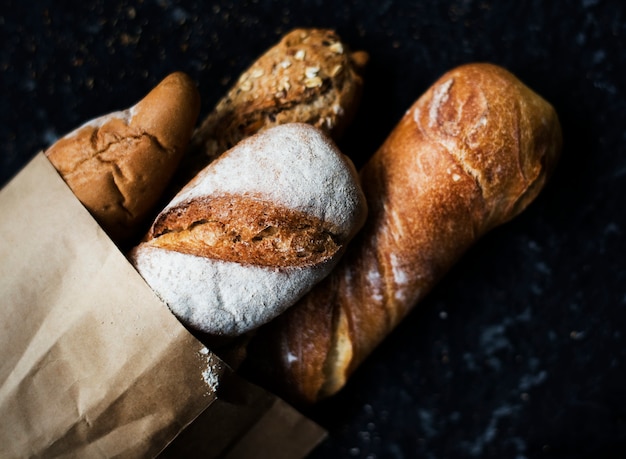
(469, 155)
(310, 76)
(119, 164)
(254, 231)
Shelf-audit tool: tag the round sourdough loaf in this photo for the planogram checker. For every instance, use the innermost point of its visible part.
(253, 231)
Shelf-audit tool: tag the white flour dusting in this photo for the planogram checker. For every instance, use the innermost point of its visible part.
(440, 96)
(399, 275)
(124, 115)
(211, 374)
(375, 282)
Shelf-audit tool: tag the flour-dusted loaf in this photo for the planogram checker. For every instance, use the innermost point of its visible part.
(253, 231)
(310, 76)
(118, 165)
(469, 155)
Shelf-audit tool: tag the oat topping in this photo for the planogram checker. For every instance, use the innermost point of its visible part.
(337, 109)
(256, 73)
(314, 82)
(336, 47)
(300, 79)
(284, 84)
(311, 72)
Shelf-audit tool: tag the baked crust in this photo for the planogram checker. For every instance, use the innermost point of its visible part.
(310, 76)
(253, 231)
(469, 155)
(235, 228)
(118, 165)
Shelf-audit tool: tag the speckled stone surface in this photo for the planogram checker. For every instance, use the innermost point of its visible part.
(520, 352)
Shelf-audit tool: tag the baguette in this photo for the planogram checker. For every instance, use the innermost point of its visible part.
(469, 155)
(253, 231)
(310, 76)
(118, 165)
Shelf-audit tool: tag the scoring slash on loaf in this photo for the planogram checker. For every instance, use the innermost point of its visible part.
(310, 76)
(253, 231)
(469, 155)
(119, 164)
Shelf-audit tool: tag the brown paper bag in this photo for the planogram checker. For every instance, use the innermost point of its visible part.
(94, 365)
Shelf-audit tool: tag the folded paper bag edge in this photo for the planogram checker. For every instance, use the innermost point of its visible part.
(106, 441)
(80, 378)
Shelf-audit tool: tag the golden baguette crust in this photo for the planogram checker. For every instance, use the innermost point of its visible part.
(310, 76)
(119, 164)
(470, 154)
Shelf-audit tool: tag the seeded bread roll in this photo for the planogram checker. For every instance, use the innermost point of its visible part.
(469, 155)
(119, 164)
(254, 231)
(310, 76)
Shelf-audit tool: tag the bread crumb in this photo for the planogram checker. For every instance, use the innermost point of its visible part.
(577, 335)
(211, 374)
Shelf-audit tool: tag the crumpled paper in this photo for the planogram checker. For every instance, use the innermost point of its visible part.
(94, 364)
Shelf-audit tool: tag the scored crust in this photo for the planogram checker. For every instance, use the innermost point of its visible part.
(254, 231)
(468, 155)
(233, 228)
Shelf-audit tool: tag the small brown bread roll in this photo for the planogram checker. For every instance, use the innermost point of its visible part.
(119, 164)
(469, 155)
(254, 231)
(310, 76)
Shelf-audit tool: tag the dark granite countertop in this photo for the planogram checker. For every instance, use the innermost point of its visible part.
(520, 352)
